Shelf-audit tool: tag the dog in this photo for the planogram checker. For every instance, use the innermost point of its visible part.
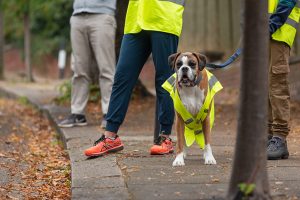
(192, 89)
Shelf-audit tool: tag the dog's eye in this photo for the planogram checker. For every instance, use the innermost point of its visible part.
(192, 64)
(179, 64)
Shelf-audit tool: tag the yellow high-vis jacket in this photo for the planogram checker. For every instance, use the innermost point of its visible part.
(287, 32)
(154, 15)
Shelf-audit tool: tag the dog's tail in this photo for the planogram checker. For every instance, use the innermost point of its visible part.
(230, 60)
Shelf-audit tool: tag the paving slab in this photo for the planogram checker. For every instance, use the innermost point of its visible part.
(100, 193)
(178, 191)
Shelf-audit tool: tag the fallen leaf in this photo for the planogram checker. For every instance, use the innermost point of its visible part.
(2, 155)
(215, 180)
(278, 183)
(177, 193)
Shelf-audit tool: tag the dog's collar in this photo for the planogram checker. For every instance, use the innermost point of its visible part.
(197, 80)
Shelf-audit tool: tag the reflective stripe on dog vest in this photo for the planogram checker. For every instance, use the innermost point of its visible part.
(193, 125)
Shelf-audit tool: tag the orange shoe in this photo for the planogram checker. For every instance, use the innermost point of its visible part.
(104, 145)
(162, 146)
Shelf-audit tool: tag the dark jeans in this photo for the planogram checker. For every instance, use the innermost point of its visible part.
(135, 50)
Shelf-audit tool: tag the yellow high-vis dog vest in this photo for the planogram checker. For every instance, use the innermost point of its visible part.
(193, 124)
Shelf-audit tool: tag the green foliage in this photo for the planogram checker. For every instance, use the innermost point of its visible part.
(247, 189)
(65, 90)
(49, 24)
(94, 93)
(23, 100)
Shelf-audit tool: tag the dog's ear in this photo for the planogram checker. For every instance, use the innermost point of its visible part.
(172, 58)
(201, 60)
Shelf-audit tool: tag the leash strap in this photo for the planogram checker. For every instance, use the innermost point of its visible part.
(230, 60)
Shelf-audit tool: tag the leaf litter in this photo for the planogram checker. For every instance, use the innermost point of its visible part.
(38, 166)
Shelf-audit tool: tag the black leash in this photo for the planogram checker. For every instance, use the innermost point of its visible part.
(230, 60)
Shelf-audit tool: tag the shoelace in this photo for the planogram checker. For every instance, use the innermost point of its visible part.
(72, 116)
(161, 139)
(102, 138)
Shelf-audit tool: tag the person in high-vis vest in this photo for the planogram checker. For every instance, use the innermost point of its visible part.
(151, 26)
(283, 23)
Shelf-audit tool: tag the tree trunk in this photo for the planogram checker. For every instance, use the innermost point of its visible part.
(1, 44)
(27, 43)
(120, 17)
(250, 152)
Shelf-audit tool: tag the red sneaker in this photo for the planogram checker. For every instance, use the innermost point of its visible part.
(162, 146)
(104, 145)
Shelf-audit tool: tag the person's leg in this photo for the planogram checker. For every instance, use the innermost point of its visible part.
(279, 89)
(279, 96)
(81, 79)
(135, 50)
(270, 112)
(270, 117)
(163, 45)
(82, 60)
(102, 29)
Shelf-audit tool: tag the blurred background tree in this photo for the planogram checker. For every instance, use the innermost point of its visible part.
(49, 24)
(1, 43)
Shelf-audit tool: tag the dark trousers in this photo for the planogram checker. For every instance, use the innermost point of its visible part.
(135, 50)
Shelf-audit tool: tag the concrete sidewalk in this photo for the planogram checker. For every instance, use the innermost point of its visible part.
(134, 174)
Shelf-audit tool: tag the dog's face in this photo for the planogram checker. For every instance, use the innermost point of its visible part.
(188, 67)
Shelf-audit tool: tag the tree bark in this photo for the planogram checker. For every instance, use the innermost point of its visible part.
(1, 43)
(250, 152)
(27, 43)
(120, 17)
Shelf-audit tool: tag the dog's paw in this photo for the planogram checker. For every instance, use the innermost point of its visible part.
(179, 160)
(209, 158)
(184, 154)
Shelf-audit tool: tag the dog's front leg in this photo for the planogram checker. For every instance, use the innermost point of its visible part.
(208, 156)
(180, 154)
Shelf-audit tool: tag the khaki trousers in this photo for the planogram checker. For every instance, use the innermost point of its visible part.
(92, 37)
(279, 93)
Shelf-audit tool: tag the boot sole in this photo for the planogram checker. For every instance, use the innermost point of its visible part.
(283, 157)
(113, 150)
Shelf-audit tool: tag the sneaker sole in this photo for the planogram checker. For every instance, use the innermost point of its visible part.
(116, 149)
(157, 153)
(72, 125)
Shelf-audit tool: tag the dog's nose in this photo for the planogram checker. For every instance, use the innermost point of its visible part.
(185, 69)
